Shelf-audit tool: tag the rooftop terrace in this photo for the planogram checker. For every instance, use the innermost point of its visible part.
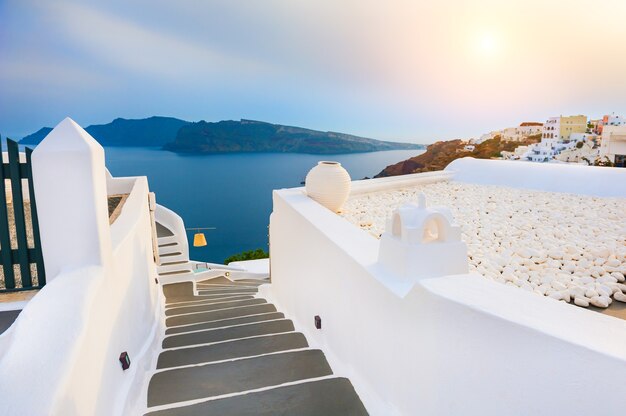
(564, 246)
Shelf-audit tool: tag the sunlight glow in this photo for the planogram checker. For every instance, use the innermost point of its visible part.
(488, 44)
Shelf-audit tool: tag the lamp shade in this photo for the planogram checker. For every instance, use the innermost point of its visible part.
(199, 240)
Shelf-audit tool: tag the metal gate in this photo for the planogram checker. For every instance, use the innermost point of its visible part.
(21, 260)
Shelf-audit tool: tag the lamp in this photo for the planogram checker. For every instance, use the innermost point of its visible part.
(199, 240)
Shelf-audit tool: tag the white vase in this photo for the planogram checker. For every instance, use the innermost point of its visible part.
(329, 184)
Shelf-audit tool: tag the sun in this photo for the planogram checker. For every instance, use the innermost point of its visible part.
(487, 44)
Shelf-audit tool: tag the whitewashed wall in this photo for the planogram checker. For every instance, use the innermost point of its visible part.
(445, 346)
(61, 355)
(552, 177)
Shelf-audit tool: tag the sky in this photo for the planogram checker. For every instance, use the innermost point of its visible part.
(405, 70)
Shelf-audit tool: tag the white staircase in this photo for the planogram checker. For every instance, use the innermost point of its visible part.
(173, 246)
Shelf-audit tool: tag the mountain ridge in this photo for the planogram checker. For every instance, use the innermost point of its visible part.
(151, 131)
(226, 136)
(246, 135)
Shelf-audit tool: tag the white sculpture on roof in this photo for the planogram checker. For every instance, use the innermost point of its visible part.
(422, 242)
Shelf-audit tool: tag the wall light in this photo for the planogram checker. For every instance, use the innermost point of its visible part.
(125, 360)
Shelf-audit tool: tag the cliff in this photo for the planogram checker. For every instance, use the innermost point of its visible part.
(258, 136)
(438, 155)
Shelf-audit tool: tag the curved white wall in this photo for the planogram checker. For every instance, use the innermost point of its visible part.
(60, 357)
(552, 177)
(172, 221)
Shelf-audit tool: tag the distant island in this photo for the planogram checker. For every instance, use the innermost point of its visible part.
(152, 131)
(259, 136)
(226, 137)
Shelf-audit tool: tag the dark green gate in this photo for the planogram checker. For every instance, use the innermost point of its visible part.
(21, 261)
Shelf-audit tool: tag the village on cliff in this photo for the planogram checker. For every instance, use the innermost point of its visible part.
(565, 139)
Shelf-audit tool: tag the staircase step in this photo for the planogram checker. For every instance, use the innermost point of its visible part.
(213, 306)
(227, 298)
(334, 396)
(197, 318)
(233, 349)
(168, 245)
(170, 273)
(163, 231)
(174, 263)
(226, 322)
(225, 334)
(221, 280)
(209, 380)
(222, 291)
(193, 298)
(174, 253)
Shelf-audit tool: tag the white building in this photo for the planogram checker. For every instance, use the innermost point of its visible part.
(615, 120)
(613, 146)
(520, 153)
(519, 133)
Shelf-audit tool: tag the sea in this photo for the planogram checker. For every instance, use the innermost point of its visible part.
(231, 192)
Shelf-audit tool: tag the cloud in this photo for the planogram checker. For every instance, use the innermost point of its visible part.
(119, 43)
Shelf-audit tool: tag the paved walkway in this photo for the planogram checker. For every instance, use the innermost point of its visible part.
(227, 352)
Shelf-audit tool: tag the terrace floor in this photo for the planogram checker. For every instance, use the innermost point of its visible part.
(227, 352)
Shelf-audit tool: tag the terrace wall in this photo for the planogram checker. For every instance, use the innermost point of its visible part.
(551, 177)
(441, 346)
(60, 357)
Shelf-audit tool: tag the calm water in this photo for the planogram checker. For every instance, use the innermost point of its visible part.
(232, 192)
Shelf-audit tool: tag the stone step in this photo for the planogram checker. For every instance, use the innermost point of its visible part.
(163, 231)
(197, 318)
(168, 245)
(197, 382)
(181, 310)
(226, 322)
(209, 286)
(192, 298)
(225, 334)
(174, 272)
(222, 291)
(208, 301)
(225, 281)
(173, 253)
(7, 318)
(231, 350)
(178, 289)
(172, 263)
(334, 396)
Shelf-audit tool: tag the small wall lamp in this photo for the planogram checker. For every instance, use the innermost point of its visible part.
(199, 240)
(125, 360)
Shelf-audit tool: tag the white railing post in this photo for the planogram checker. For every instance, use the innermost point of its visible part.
(70, 187)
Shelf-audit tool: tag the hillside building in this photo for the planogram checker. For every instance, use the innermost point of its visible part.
(610, 120)
(560, 128)
(613, 146)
